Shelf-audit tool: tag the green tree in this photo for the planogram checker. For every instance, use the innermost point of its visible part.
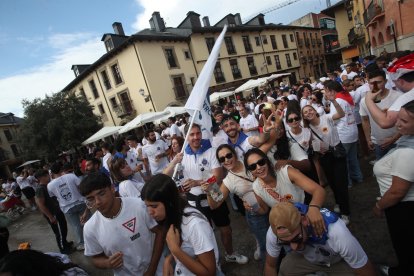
(56, 123)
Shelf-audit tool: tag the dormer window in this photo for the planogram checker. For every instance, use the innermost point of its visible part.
(109, 45)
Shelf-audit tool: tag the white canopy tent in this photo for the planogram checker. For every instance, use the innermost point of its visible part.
(28, 163)
(172, 111)
(251, 84)
(141, 120)
(102, 133)
(275, 76)
(214, 97)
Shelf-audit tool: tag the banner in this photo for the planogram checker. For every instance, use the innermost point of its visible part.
(198, 104)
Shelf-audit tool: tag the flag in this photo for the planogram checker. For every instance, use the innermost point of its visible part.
(198, 104)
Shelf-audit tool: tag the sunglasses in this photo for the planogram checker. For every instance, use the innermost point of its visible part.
(294, 119)
(297, 239)
(227, 156)
(253, 166)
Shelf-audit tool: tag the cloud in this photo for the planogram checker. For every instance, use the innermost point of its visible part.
(174, 12)
(51, 77)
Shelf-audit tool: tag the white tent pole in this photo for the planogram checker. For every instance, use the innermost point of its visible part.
(185, 140)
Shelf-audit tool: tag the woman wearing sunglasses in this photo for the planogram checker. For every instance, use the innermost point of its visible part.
(316, 102)
(285, 184)
(333, 165)
(121, 172)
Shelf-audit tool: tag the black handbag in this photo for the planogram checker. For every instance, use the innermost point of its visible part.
(339, 151)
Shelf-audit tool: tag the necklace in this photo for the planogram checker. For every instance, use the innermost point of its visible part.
(119, 211)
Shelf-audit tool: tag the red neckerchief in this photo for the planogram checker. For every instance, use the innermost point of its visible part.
(345, 96)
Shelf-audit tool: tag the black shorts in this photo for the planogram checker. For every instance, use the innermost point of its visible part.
(219, 216)
(28, 192)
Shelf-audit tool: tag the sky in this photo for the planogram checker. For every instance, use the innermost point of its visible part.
(40, 40)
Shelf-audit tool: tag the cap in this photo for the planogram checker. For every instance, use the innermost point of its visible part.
(284, 218)
(401, 66)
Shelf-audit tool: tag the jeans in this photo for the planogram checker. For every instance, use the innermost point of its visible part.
(73, 217)
(354, 171)
(379, 152)
(259, 224)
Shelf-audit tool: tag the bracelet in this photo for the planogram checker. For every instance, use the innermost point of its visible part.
(377, 205)
(314, 205)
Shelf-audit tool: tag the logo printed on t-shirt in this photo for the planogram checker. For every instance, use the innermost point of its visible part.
(130, 225)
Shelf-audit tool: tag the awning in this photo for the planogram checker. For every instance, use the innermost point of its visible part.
(28, 163)
(214, 97)
(141, 120)
(275, 76)
(172, 111)
(102, 133)
(251, 84)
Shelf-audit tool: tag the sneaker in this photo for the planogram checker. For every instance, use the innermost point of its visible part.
(337, 209)
(236, 258)
(80, 247)
(384, 269)
(257, 254)
(345, 218)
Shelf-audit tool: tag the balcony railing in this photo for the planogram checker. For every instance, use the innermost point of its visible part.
(373, 10)
(181, 92)
(126, 108)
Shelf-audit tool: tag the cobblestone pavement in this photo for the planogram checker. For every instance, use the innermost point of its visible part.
(371, 232)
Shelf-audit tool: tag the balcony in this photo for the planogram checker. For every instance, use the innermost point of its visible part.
(310, 59)
(126, 108)
(303, 60)
(300, 42)
(313, 42)
(373, 12)
(307, 43)
(316, 58)
(181, 92)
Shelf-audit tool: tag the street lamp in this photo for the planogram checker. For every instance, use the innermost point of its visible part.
(142, 93)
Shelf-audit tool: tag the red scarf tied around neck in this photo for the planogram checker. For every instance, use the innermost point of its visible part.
(345, 96)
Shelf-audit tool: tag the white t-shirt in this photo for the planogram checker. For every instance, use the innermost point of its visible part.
(319, 108)
(165, 133)
(249, 122)
(326, 130)
(356, 97)
(145, 141)
(149, 151)
(378, 134)
(219, 139)
(7, 187)
(363, 89)
(285, 190)
(105, 160)
(302, 138)
(129, 233)
(402, 100)
(65, 189)
(341, 244)
(23, 182)
(396, 163)
(346, 126)
(292, 97)
(192, 169)
(197, 238)
(304, 102)
(174, 130)
(130, 188)
(237, 184)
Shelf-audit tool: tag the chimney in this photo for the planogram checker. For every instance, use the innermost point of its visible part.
(194, 19)
(158, 22)
(152, 26)
(117, 26)
(237, 19)
(206, 21)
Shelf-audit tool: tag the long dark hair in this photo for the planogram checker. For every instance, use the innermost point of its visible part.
(161, 188)
(226, 146)
(32, 262)
(263, 155)
(282, 144)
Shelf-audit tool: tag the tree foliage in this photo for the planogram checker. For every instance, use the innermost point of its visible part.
(56, 123)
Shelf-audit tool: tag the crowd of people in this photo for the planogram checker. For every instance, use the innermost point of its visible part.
(148, 206)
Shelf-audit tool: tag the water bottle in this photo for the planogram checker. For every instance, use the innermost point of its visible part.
(214, 189)
(179, 176)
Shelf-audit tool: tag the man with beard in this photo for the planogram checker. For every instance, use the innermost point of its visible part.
(154, 153)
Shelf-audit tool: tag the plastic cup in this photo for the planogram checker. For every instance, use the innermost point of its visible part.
(316, 145)
(250, 199)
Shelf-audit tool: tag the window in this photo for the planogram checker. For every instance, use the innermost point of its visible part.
(126, 103)
(288, 61)
(295, 56)
(246, 43)
(92, 86)
(187, 55)
(277, 62)
(116, 73)
(268, 60)
(171, 60)
(8, 135)
(349, 13)
(15, 150)
(109, 45)
(252, 67)
(101, 109)
(210, 43)
(235, 69)
(273, 41)
(326, 23)
(257, 39)
(82, 92)
(179, 88)
(113, 102)
(291, 38)
(218, 73)
(285, 43)
(264, 39)
(106, 81)
(229, 45)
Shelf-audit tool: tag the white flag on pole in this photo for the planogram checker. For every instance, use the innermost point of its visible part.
(198, 104)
